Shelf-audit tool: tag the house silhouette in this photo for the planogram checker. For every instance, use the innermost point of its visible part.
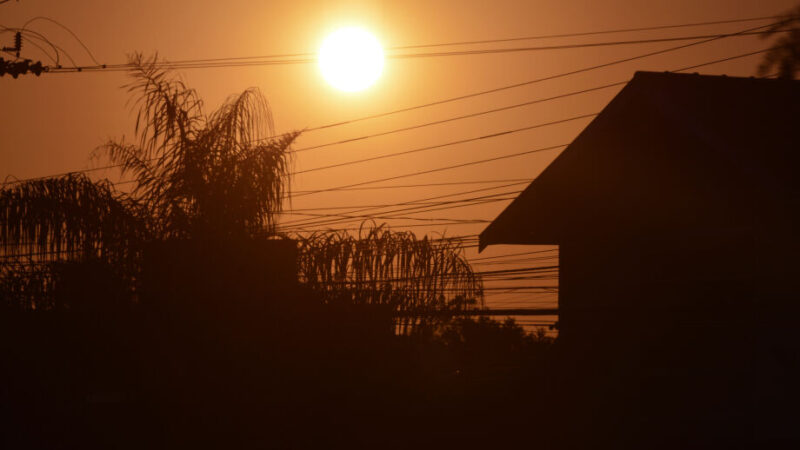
(676, 212)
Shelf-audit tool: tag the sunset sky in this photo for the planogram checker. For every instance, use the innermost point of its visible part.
(50, 124)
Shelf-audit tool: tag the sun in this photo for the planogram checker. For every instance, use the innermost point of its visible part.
(351, 59)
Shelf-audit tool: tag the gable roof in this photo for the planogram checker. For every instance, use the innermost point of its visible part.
(667, 144)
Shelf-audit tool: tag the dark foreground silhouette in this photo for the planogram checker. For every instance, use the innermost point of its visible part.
(296, 373)
(291, 373)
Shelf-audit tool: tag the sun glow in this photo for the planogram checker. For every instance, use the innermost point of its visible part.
(351, 59)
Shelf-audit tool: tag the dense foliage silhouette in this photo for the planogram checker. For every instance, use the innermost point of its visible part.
(422, 281)
(784, 56)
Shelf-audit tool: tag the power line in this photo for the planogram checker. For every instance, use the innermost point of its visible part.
(270, 60)
(524, 83)
(514, 106)
(497, 89)
(494, 303)
(424, 199)
(421, 202)
(516, 297)
(536, 101)
(439, 169)
(515, 254)
(360, 218)
(511, 259)
(488, 136)
(448, 144)
(394, 226)
(432, 147)
(421, 46)
(501, 40)
(466, 116)
(524, 299)
(586, 45)
(590, 33)
(397, 186)
(714, 62)
(519, 288)
(89, 52)
(305, 228)
(504, 108)
(33, 43)
(721, 60)
(473, 201)
(429, 123)
(306, 223)
(44, 39)
(349, 218)
(452, 183)
(504, 262)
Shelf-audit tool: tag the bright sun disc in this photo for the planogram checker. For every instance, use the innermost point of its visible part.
(351, 59)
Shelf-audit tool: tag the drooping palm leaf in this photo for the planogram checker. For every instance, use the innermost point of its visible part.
(69, 217)
(418, 278)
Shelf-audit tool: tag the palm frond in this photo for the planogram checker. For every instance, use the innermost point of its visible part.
(68, 217)
(169, 112)
(418, 278)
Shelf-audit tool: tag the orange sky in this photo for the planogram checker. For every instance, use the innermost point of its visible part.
(51, 123)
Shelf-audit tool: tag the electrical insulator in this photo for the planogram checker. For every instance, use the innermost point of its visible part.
(18, 42)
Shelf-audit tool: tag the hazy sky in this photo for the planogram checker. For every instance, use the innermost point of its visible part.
(50, 124)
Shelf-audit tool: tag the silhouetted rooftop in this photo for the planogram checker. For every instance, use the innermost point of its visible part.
(667, 145)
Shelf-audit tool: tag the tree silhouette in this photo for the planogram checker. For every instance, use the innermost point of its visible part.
(197, 176)
(217, 175)
(209, 177)
(45, 222)
(785, 54)
(423, 281)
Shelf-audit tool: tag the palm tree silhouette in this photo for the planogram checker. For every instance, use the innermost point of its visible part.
(197, 176)
(201, 175)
